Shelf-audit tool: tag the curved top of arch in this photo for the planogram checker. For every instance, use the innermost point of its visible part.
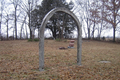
(43, 25)
(62, 9)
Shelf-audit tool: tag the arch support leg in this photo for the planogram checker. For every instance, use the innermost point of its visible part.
(42, 28)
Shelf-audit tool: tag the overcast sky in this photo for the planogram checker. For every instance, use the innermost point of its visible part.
(106, 33)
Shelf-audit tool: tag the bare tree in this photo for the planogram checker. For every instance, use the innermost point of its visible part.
(1, 14)
(7, 20)
(28, 6)
(7, 24)
(102, 25)
(24, 22)
(15, 4)
(87, 16)
(95, 16)
(84, 7)
(112, 13)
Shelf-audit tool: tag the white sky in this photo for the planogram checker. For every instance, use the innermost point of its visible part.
(105, 33)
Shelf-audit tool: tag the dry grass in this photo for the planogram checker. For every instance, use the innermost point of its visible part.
(19, 60)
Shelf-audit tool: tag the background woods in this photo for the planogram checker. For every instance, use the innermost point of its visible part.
(21, 19)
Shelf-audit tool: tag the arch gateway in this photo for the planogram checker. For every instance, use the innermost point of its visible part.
(42, 28)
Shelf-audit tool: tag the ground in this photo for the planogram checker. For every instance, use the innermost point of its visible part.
(19, 60)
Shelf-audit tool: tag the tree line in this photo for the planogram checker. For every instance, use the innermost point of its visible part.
(23, 17)
(100, 15)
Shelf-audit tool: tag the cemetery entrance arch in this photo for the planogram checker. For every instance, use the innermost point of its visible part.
(42, 28)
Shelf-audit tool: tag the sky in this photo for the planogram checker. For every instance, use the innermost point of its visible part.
(106, 33)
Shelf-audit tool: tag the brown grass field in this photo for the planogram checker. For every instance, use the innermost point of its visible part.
(19, 60)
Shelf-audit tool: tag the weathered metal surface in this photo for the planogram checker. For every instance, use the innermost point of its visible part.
(42, 28)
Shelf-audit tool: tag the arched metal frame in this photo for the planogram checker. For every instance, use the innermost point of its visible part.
(42, 28)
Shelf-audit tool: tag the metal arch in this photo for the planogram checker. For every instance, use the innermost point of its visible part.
(42, 28)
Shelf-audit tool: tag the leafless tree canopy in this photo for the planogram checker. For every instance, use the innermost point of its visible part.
(97, 16)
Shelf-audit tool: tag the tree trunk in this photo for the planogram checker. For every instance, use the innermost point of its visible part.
(22, 27)
(93, 30)
(21, 32)
(114, 24)
(0, 26)
(38, 32)
(113, 34)
(13, 33)
(88, 29)
(64, 24)
(88, 33)
(0, 30)
(29, 15)
(2, 6)
(30, 34)
(15, 23)
(62, 32)
(7, 27)
(26, 32)
(54, 32)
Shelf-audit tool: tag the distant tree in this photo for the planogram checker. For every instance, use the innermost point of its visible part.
(83, 8)
(95, 15)
(23, 22)
(112, 13)
(2, 3)
(46, 5)
(7, 24)
(61, 25)
(87, 16)
(28, 6)
(16, 5)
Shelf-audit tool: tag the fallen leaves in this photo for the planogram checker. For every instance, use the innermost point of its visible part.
(19, 60)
